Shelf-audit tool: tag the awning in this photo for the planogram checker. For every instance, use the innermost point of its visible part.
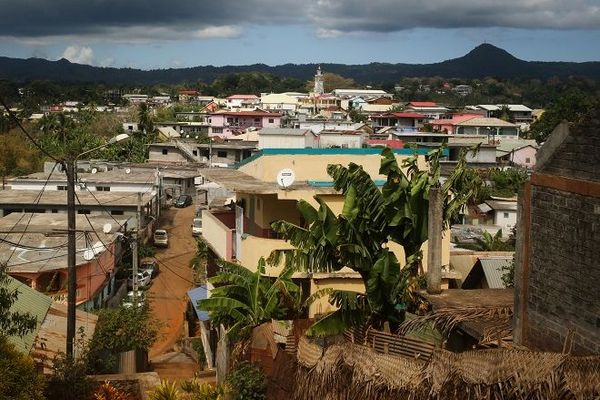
(196, 294)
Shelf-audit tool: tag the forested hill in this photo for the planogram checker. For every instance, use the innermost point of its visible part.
(483, 61)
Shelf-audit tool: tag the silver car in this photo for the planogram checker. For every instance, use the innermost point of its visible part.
(161, 238)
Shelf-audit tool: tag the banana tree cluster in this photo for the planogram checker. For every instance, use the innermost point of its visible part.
(358, 238)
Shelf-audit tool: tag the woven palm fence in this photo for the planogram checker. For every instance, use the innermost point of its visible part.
(350, 371)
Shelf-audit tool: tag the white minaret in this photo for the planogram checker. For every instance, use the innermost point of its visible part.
(319, 88)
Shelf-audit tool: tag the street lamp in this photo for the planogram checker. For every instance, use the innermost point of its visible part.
(69, 167)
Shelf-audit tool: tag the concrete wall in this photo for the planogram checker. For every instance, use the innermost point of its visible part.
(217, 235)
(173, 154)
(322, 305)
(285, 141)
(524, 157)
(340, 140)
(253, 248)
(557, 300)
(506, 219)
(314, 167)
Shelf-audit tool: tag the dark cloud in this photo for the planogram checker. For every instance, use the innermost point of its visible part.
(175, 19)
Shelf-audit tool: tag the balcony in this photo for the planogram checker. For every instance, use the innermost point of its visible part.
(231, 244)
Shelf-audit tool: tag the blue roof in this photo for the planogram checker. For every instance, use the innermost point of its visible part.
(315, 183)
(196, 294)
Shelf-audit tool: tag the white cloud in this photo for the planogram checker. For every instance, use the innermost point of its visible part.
(224, 31)
(79, 54)
(328, 33)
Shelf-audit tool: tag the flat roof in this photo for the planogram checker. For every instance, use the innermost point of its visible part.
(502, 205)
(59, 197)
(237, 181)
(42, 248)
(108, 177)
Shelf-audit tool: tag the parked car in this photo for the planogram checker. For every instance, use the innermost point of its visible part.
(161, 238)
(197, 227)
(128, 299)
(151, 266)
(183, 200)
(143, 278)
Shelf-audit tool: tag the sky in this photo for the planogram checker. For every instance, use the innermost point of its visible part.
(150, 34)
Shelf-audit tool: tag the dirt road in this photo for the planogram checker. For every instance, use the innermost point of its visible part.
(169, 288)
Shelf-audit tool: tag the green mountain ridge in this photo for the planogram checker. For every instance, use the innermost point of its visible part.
(483, 61)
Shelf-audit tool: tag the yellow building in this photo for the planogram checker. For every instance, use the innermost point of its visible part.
(260, 200)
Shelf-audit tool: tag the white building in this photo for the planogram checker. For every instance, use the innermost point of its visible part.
(286, 138)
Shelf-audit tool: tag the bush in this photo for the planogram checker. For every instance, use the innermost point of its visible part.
(19, 380)
(118, 330)
(69, 380)
(247, 382)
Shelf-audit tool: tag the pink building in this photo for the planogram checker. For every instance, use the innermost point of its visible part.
(227, 124)
(449, 125)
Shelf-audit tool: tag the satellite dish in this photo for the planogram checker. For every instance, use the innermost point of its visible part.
(98, 248)
(88, 255)
(127, 170)
(107, 228)
(285, 178)
(94, 170)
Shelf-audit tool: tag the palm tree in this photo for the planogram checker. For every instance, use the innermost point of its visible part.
(243, 299)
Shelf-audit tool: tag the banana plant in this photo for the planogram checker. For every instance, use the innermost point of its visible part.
(243, 299)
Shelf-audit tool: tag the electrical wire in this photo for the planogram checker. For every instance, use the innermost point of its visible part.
(162, 263)
(37, 202)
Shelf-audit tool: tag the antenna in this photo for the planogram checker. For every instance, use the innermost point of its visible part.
(285, 178)
(107, 228)
(94, 170)
(88, 255)
(127, 170)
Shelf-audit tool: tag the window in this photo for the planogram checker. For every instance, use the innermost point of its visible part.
(257, 203)
(222, 154)
(217, 130)
(165, 151)
(116, 212)
(527, 160)
(505, 215)
(83, 211)
(61, 187)
(271, 120)
(103, 188)
(256, 119)
(54, 211)
(230, 120)
(195, 152)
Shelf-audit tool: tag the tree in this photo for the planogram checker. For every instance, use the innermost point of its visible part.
(243, 299)
(19, 377)
(359, 237)
(332, 81)
(571, 106)
(490, 243)
(20, 380)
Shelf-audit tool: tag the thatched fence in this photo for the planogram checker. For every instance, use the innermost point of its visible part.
(352, 371)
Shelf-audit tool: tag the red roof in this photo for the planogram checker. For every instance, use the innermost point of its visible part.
(189, 92)
(456, 119)
(422, 104)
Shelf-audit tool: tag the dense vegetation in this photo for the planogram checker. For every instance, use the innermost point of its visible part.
(484, 60)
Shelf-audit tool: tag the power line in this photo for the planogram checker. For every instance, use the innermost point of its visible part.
(37, 202)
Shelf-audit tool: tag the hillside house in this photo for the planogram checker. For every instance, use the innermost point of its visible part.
(229, 123)
(237, 101)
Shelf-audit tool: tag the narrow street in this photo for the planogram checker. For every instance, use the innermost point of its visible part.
(168, 291)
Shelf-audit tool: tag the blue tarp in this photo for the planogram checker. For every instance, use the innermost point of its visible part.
(196, 294)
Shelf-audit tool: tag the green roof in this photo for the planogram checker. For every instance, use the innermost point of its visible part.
(28, 301)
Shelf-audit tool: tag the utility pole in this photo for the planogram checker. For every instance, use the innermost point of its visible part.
(69, 166)
(134, 249)
(435, 229)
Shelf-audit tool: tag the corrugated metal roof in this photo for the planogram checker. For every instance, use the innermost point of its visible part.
(28, 301)
(196, 294)
(492, 269)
